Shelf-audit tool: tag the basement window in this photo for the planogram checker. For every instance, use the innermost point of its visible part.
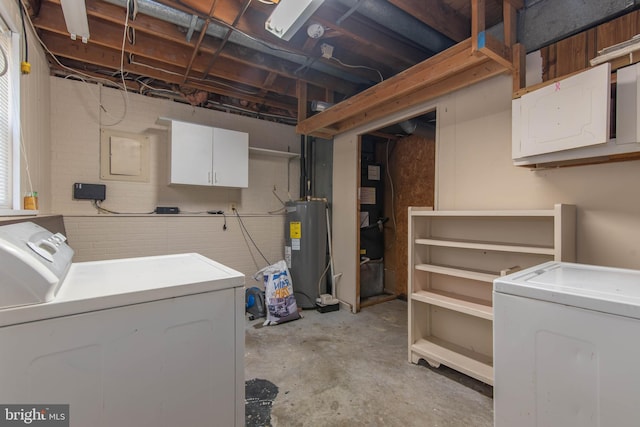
(9, 120)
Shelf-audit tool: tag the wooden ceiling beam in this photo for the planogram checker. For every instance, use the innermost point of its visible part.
(435, 68)
(145, 48)
(460, 80)
(109, 59)
(268, 83)
(171, 33)
(450, 70)
(439, 16)
(379, 46)
(169, 53)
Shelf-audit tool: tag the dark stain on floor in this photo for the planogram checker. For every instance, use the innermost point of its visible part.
(259, 396)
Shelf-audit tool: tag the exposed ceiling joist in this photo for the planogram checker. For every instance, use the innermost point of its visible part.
(189, 44)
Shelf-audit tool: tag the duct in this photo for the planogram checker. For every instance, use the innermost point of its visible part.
(182, 19)
(417, 127)
(543, 22)
(400, 22)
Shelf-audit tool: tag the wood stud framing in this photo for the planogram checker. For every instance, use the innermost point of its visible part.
(470, 61)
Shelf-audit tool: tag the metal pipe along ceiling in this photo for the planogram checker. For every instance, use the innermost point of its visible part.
(182, 19)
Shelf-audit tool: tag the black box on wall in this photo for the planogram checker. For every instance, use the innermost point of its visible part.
(89, 191)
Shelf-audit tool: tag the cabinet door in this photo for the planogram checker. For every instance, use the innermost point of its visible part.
(191, 153)
(230, 158)
(571, 113)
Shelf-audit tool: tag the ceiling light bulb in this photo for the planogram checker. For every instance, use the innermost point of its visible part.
(315, 31)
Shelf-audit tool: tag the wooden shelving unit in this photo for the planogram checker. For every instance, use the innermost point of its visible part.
(454, 256)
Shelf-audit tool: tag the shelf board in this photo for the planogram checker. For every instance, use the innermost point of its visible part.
(274, 153)
(520, 214)
(459, 272)
(459, 358)
(460, 303)
(487, 246)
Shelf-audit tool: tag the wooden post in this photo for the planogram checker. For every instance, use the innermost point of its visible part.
(510, 18)
(477, 22)
(519, 67)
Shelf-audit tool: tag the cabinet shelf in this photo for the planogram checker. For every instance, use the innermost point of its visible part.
(483, 276)
(456, 302)
(486, 246)
(273, 153)
(437, 351)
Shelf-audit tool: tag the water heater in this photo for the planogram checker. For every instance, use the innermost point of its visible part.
(306, 249)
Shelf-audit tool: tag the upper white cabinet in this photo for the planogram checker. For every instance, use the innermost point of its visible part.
(204, 155)
(569, 120)
(570, 113)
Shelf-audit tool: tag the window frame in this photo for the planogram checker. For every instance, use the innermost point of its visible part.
(15, 202)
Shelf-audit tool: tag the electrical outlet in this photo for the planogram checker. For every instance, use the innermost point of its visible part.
(232, 207)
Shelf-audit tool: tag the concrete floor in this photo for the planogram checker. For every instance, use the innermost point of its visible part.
(343, 369)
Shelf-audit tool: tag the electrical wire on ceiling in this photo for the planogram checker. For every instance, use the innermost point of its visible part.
(358, 66)
(258, 115)
(124, 40)
(132, 60)
(84, 77)
(143, 84)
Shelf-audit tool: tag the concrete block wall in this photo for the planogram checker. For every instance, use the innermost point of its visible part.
(78, 113)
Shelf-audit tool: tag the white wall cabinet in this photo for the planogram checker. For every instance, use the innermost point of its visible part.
(454, 256)
(572, 113)
(209, 156)
(569, 120)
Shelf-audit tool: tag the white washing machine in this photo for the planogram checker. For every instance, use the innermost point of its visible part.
(567, 347)
(153, 341)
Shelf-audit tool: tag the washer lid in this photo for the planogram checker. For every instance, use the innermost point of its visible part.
(101, 285)
(605, 289)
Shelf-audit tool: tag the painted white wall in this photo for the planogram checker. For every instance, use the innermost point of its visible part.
(474, 171)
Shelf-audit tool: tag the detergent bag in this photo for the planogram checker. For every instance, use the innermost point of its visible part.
(278, 289)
